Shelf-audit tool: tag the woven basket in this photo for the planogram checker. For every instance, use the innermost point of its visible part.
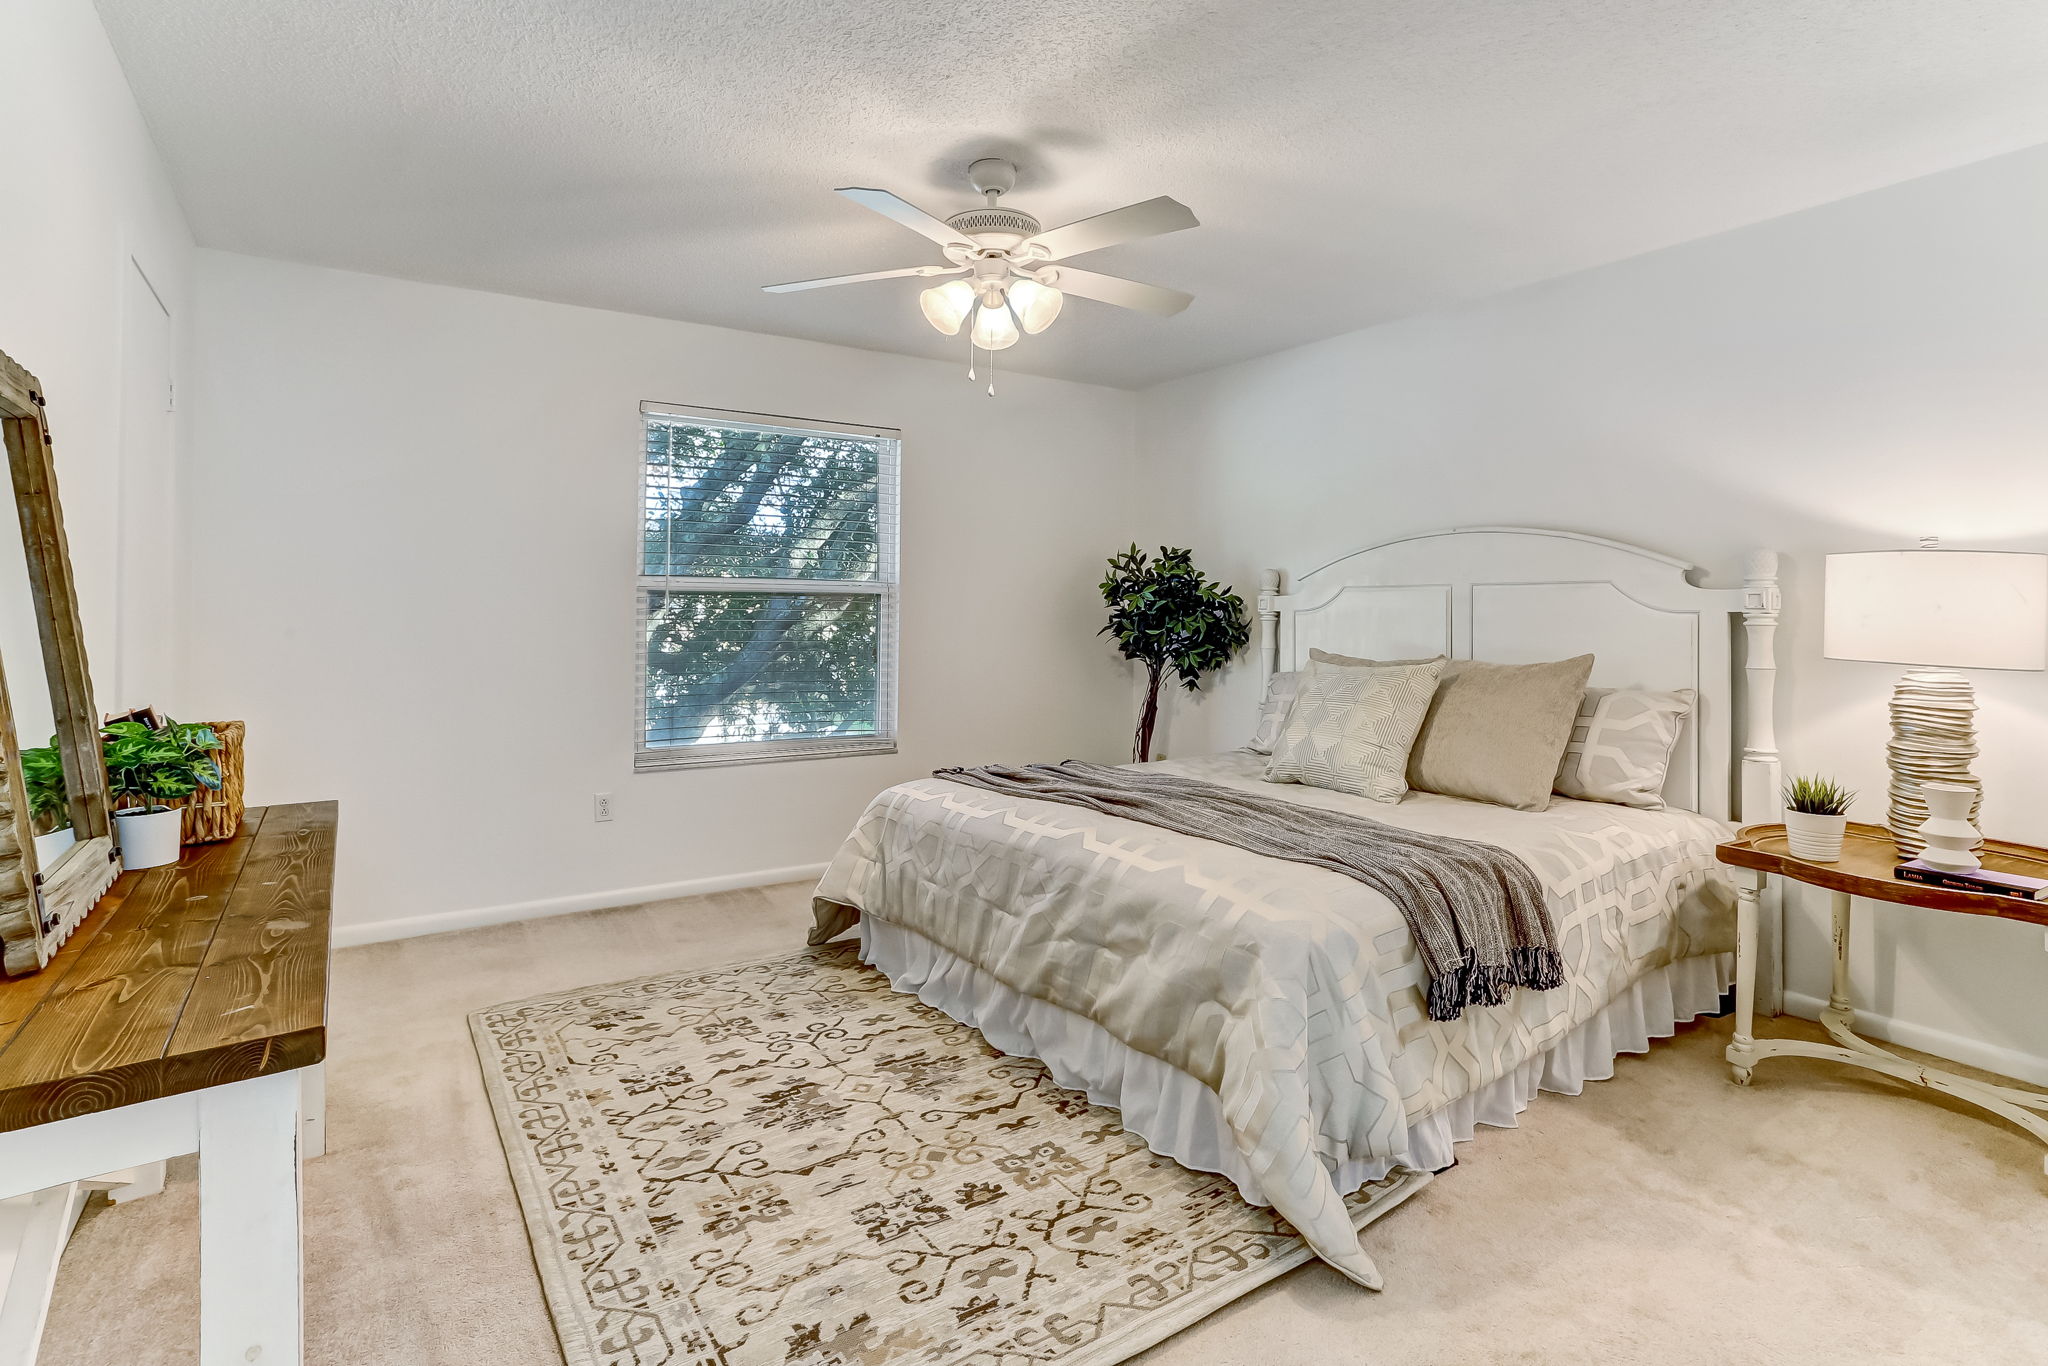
(211, 817)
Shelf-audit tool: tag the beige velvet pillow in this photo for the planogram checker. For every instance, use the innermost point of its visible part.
(1495, 732)
(1353, 661)
(1350, 728)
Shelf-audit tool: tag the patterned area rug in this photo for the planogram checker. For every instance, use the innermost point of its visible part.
(788, 1162)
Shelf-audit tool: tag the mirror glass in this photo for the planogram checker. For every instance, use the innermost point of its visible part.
(28, 689)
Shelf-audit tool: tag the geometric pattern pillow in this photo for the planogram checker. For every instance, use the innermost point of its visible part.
(1350, 728)
(1621, 746)
(1280, 690)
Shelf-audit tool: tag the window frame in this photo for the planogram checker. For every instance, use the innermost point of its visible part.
(886, 587)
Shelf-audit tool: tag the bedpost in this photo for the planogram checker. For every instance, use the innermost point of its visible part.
(1269, 624)
(1762, 778)
(1762, 795)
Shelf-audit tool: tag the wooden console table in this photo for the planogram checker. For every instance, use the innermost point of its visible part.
(1865, 870)
(188, 1014)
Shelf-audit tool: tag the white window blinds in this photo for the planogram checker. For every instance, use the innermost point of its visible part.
(767, 588)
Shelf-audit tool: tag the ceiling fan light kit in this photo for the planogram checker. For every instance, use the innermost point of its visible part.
(1006, 281)
(946, 306)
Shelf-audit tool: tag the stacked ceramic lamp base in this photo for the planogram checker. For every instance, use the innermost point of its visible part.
(1934, 740)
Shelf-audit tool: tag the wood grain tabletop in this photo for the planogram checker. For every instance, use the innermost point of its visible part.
(206, 971)
(1865, 869)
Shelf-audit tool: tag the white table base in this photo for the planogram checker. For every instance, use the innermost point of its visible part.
(248, 1135)
(2015, 1104)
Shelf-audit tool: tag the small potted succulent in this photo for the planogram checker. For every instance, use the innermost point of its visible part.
(146, 766)
(1816, 818)
(49, 806)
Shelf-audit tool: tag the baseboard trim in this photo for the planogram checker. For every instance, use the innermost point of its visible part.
(2009, 1062)
(445, 922)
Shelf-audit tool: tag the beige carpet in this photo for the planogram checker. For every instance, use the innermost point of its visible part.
(787, 1163)
(1665, 1217)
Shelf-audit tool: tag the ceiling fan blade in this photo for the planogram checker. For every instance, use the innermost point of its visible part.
(795, 285)
(1127, 224)
(1108, 289)
(906, 213)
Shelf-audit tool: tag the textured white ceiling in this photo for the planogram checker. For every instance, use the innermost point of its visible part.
(1351, 162)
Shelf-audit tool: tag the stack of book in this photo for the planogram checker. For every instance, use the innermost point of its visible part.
(1973, 880)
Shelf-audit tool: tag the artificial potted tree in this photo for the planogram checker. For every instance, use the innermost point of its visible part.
(1816, 818)
(147, 767)
(1167, 614)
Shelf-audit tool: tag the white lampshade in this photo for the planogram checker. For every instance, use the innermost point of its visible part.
(994, 328)
(945, 306)
(1036, 305)
(1949, 609)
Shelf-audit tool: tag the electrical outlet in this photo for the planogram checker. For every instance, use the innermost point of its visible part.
(601, 804)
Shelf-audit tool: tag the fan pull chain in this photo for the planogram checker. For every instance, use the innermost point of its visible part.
(991, 365)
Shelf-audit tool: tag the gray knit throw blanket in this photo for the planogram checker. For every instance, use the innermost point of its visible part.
(1477, 912)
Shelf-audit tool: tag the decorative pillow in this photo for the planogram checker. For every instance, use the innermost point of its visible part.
(1621, 745)
(1354, 662)
(1280, 690)
(1350, 728)
(1495, 732)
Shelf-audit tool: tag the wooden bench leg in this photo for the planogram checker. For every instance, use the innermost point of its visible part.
(249, 1267)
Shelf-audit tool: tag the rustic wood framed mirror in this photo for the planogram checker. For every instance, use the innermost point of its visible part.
(57, 855)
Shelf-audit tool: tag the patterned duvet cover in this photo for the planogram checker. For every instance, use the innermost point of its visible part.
(1293, 993)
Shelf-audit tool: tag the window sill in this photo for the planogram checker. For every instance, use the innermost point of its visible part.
(728, 756)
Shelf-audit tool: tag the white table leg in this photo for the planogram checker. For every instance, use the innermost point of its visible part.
(249, 1270)
(313, 1111)
(1742, 1055)
(33, 1231)
(138, 1183)
(1838, 994)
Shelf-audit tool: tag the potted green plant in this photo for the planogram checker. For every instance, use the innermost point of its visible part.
(49, 806)
(1166, 614)
(145, 768)
(1816, 818)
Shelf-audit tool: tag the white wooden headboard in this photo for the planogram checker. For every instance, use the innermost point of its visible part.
(1518, 595)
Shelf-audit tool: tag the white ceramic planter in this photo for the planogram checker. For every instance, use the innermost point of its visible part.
(50, 846)
(1815, 838)
(149, 839)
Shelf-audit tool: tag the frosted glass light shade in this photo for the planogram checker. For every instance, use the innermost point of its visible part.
(994, 328)
(1949, 609)
(946, 306)
(1036, 304)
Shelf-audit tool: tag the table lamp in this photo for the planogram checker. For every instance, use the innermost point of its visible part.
(1938, 611)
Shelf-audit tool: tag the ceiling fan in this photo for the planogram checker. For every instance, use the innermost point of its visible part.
(1011, 280)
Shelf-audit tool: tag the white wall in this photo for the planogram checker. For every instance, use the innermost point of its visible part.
(1840, 379)
(411, 555)
(87, 199)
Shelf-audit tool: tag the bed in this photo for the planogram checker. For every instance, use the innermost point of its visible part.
(1264, 1019)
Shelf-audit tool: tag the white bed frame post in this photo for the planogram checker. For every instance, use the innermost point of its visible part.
(1762, 773)
(1269, 625)
(1763, 777)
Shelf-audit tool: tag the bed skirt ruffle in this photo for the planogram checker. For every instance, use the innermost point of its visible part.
(1180, 1118)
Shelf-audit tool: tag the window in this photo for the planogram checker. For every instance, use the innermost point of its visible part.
(767, 591)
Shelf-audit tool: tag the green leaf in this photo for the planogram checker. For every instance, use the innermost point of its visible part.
(169, 763)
